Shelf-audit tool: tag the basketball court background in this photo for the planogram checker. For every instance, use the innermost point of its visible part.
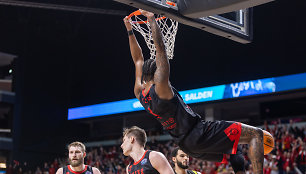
(69, 59)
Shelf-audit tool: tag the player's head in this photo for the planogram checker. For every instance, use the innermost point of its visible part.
(148, 70)
(180, 158)
(77, 153)
(131, 137)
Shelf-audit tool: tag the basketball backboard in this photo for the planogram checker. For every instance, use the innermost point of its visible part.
(236, 25)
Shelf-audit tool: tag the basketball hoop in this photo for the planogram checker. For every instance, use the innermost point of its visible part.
(167, 26)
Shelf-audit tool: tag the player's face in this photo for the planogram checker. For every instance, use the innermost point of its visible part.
(182, 159)
(76, 156)
(126, 145)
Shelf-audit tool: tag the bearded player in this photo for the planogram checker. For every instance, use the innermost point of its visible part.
(77, 153)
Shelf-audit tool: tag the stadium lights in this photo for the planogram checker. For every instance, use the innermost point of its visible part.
(3, 165)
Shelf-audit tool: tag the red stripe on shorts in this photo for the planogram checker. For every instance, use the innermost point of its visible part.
(233, 132)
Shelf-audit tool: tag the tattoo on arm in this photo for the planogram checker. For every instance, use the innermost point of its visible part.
(162, 62)
(156, 34)
(254, 137)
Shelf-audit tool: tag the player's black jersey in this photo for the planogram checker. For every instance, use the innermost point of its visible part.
(196, 137)
(174, 115)
(143, 166)
(68, 170)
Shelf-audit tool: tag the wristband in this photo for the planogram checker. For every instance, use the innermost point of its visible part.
(130, 32)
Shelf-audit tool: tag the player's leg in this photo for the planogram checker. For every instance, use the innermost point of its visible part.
(237, 161)
(254, 137)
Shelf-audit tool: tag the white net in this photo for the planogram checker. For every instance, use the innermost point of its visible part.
(167, 26)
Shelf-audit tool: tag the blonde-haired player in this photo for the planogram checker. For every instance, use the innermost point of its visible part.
(145, 161)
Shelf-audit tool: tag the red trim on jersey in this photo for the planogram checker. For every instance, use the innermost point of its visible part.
(224, 160)
(143, 94)
(69, 168)
(233, 132)
(151, 112)
(140, 158)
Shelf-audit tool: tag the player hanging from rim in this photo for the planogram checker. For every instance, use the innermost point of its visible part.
(200, 139)
(145, 161)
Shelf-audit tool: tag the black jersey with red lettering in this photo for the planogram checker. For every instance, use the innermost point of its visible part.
(68, 170)
(207, 140)
(174, 115)
(143, 166)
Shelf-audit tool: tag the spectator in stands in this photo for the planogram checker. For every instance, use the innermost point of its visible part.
(46, 168)
(51, 169)
(38, 171)
(77, 153)
(9, 169)
(301, 158)
(55, 163)
(273, 165)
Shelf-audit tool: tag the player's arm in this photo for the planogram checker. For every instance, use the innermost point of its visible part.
(95, 170)
(59, 171)
(161, 77)
(137, 56)
(127, 169)
(160, 163)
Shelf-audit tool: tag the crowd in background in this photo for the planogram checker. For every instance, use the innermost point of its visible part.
(288, 156)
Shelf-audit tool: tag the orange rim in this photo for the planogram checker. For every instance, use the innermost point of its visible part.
(137, 13)
(171, 3)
